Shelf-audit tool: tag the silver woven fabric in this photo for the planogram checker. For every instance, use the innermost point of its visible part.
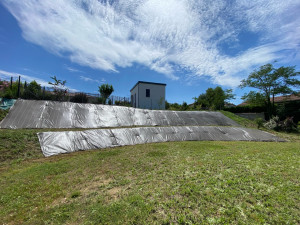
(53, 143)
(50, 114)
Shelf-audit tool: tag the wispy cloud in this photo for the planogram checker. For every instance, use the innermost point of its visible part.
(5, 75)
(166, 36)
(73, 70)
(88, 79)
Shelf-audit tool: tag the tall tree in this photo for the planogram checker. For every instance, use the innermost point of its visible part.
(105, 91)
(214, 98)
(59, 88)
(272, 81)
(33, 91)
(254, 98)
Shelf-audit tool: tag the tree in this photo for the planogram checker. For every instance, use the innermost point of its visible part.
(254, 98)
(214, 98)
(184, 106)
(271, 82)
(167, 104)
(59, 88)
(11, 91)
(32, 91)
(105, 91)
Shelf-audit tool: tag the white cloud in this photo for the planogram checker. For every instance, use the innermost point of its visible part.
(88, 79)
(73, 70)
(5, 75)
(166, 36)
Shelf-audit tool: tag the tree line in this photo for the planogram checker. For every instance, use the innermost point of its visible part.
(34, 91)
(269, 82)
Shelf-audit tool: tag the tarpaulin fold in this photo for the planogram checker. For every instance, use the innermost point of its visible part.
(53, 143)
(51, 114)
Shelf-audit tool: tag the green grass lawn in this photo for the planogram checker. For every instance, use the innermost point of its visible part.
(164, 183)
(3, 113)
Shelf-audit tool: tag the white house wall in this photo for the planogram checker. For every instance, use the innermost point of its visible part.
(135, 100)
(156, 99)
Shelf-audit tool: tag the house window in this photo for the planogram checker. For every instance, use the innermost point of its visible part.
(147, 92)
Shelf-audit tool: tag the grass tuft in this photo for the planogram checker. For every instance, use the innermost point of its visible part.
(75, 194)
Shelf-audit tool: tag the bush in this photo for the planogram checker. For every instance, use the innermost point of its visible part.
(33, 91)
(79, 98)
(272, 124)
(184, 106)
(288, 125)
(8, 94)
(289, 109)
(246, 109)
(3, 114)
(259, 122)
(122, 103)
(101, 100)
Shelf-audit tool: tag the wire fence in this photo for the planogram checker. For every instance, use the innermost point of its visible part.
(49, 93)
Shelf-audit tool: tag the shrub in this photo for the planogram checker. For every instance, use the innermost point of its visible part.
(184, 106)
(288, 125)
(259, 122)
(122, 103)
(246, 109)
(79, 98)
(75, 194)
(3, 114)
(272, 124)
(8, 94)
(33, 91)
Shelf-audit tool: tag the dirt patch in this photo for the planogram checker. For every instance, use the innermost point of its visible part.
(94, 185)
(58, 201)
(114, 192)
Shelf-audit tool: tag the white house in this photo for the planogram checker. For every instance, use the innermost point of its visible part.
(148, 95)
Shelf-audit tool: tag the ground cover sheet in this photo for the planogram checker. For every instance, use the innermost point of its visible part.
(51, 114)
(53, 143)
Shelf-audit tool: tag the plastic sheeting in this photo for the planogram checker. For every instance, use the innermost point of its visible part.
(6, 103)
(53, 143)
(50, 114)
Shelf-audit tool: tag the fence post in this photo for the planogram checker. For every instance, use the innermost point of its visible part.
(19, 84)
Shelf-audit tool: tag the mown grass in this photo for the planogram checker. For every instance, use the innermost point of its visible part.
(163, 183)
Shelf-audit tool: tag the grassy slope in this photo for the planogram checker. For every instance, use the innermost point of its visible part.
(3, 113)
(197, 182)
(294, 137)
(180, 182)
(240, 120)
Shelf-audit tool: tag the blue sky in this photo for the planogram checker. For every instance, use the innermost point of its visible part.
(190, 45)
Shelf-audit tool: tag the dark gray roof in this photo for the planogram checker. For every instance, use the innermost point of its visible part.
(145, 82)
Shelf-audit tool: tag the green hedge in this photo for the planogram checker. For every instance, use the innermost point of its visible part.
(246, 109)
(283, 110)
